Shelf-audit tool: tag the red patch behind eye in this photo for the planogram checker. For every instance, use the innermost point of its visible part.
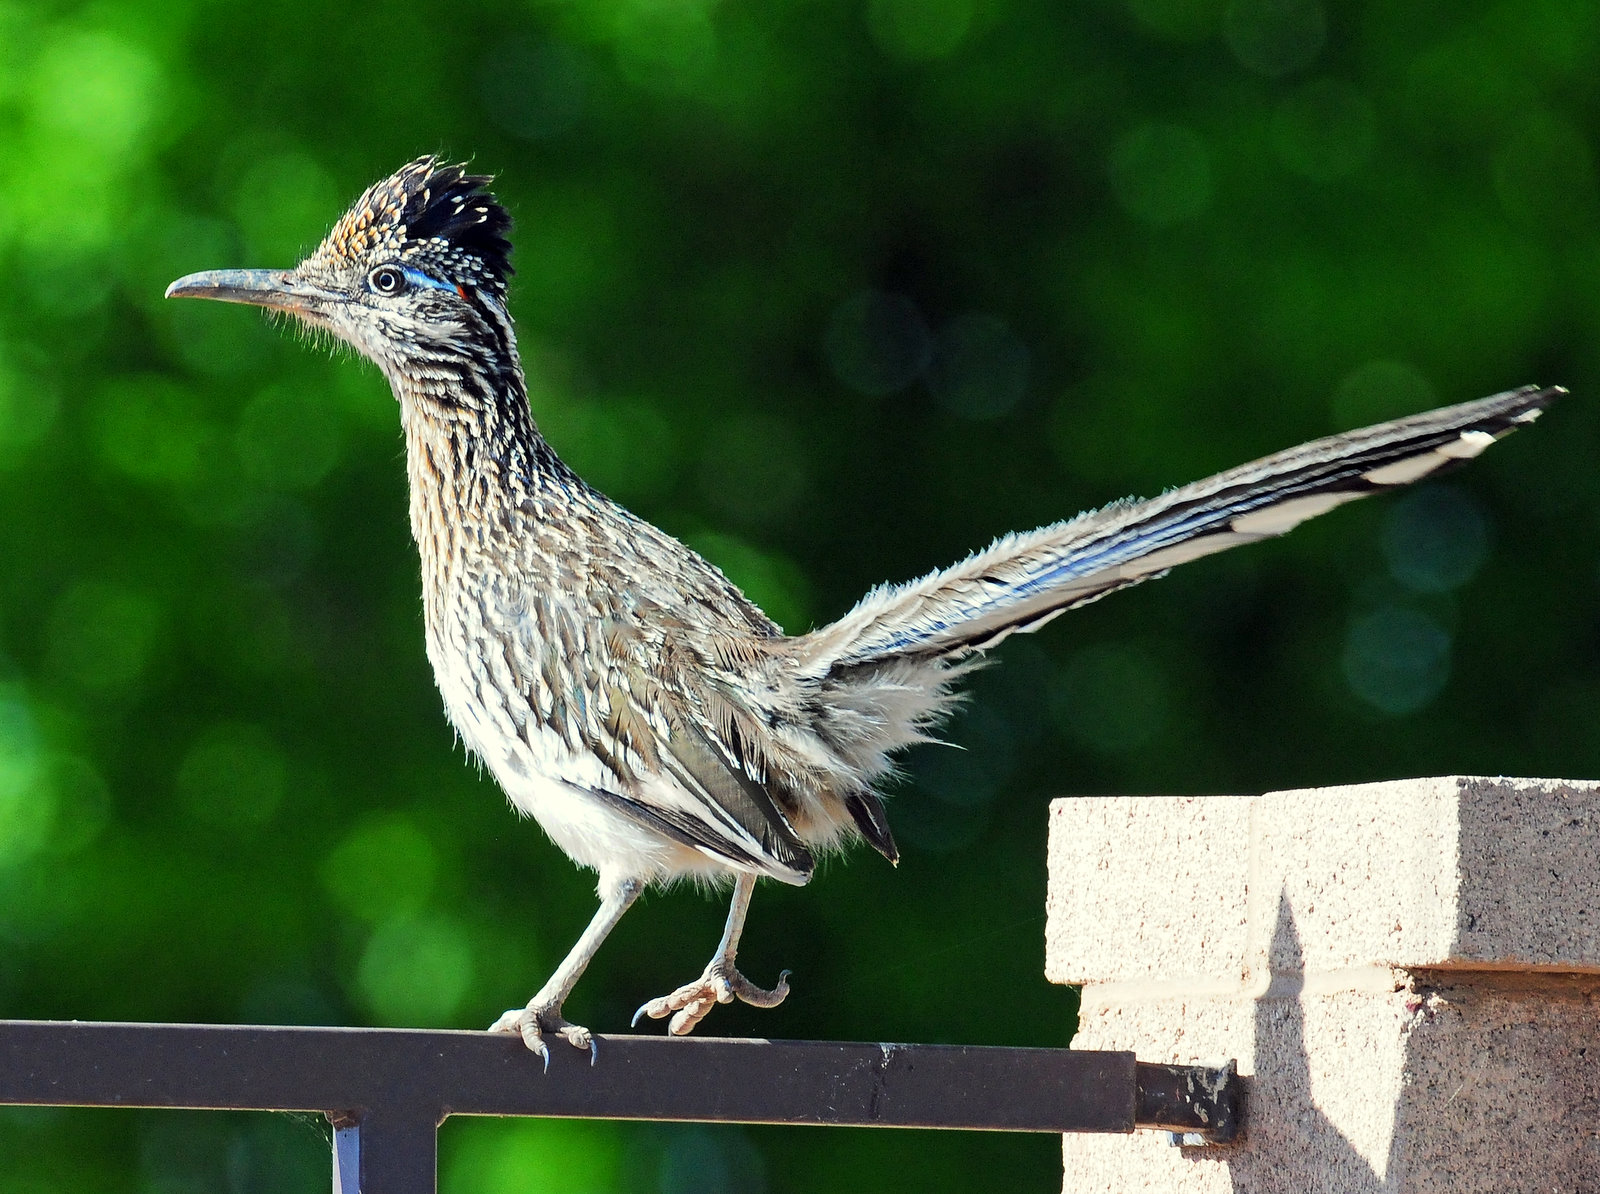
(461, 290)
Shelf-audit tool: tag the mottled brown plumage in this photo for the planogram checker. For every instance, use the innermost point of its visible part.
(624, 693)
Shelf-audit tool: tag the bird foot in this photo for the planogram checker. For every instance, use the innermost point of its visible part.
(533, 1022)
(721, 983)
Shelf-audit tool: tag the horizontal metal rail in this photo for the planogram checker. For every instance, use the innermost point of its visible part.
(386, 1091)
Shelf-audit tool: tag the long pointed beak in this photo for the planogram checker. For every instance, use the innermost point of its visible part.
(276, 288)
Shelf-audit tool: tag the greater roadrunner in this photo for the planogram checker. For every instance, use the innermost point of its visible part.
(625, 694)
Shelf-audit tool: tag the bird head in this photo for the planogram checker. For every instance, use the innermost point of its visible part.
(413, 276)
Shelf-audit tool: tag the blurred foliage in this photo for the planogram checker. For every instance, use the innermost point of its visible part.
(836, 290)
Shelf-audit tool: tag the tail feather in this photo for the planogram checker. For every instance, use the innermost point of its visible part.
(1024, 580)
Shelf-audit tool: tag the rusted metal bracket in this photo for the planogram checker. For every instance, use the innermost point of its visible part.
(1195, 1104)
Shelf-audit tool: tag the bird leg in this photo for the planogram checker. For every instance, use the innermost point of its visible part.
(543, 1013)
(721, 982)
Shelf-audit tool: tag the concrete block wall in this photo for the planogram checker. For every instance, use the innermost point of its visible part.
(1409, 972)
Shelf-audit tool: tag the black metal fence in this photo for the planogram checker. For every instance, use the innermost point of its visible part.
(387, 1091)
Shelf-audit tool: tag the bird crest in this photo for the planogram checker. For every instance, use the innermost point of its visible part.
(431, 214)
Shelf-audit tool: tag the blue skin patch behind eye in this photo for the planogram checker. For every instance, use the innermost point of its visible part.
(417, 278)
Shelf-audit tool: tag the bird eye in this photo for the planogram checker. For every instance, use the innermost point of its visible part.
(386, 280)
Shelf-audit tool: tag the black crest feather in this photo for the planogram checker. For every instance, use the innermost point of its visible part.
(457, 207)
(428, 211)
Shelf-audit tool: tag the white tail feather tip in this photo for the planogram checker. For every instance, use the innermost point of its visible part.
(1403, 472)
(1468, 446)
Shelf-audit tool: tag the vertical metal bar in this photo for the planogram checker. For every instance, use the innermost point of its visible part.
(346, 1155)
(387, 1150)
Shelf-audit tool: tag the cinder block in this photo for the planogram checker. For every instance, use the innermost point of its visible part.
(1407, 973)
(1149, 889)
(1499, 873)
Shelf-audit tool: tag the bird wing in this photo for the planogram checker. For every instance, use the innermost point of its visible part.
(744, 812)
(1023, 581)
(675, 742)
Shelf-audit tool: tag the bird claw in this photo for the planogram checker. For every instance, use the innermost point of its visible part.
(689, 1004)
(531, 1023)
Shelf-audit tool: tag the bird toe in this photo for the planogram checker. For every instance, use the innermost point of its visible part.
(720, 983)
(531, 1023)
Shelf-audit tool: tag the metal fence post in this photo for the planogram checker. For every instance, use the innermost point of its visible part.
(387, 1150)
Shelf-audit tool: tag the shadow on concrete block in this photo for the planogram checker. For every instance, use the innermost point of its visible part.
(1407, 972)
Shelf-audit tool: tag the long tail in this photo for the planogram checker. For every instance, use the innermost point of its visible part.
(885, 667)
(1024, 580)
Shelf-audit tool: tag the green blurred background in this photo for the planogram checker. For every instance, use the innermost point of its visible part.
(836, 290)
